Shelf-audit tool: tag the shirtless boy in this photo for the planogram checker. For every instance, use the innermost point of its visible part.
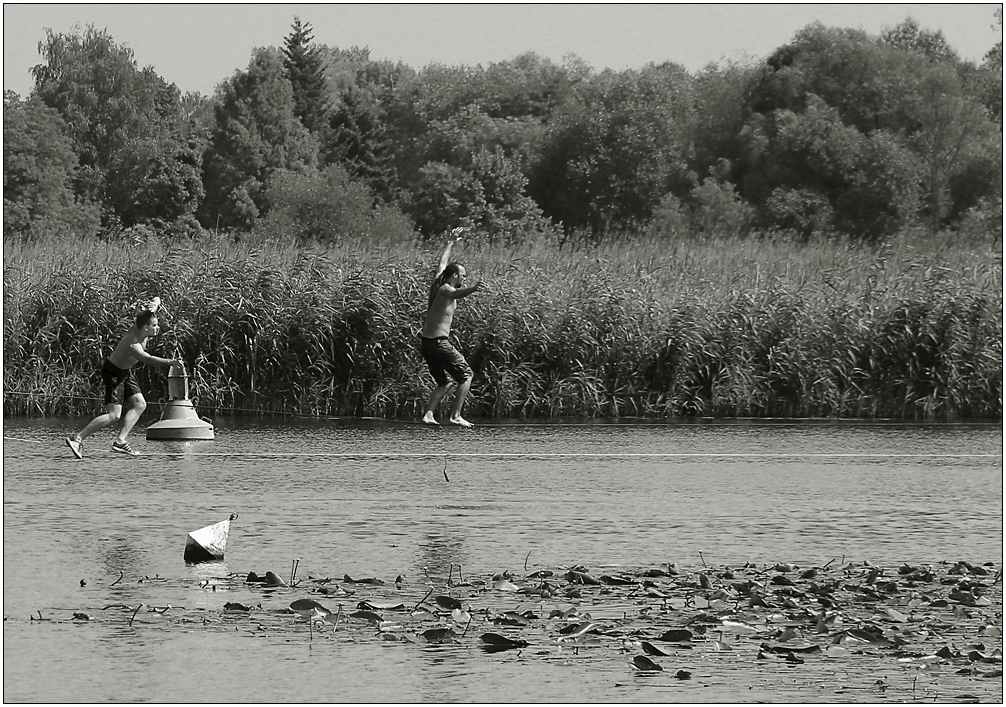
(116, 371)
(447, 288)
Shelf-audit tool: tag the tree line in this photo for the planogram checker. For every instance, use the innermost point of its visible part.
(836, 132)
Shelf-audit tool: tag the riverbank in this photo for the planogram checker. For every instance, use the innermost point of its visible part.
(752, 328)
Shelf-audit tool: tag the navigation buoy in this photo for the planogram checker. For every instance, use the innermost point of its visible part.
(209, 543)
(179, 419)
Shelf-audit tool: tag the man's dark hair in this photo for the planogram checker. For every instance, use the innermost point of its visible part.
(439, 281)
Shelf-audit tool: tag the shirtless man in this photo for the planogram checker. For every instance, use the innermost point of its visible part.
(116, 371)
(447, 288)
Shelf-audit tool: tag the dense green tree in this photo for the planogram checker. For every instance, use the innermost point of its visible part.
(909, 37)
(328, 206)
(720, 95)
(305, 70)
(867, 181)
(952, 131)
(613, 152)
(256, 133)
(910, 100)
(38, 168)
(135, 155)
(356, 140)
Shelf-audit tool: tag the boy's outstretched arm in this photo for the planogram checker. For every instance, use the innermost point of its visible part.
(142, 355)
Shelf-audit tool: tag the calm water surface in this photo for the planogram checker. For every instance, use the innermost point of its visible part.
(372, 500)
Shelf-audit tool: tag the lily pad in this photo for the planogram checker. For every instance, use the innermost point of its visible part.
(676, 635)
(438, 635)
(448, 602)
(641, 662)
(495, 642)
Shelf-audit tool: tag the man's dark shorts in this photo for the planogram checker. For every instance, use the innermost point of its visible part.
(443, 358)
(112, 376)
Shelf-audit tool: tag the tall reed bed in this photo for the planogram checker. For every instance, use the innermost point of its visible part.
(644, 328)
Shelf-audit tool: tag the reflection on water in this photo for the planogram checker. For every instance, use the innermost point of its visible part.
(439, 552)
(374, 501)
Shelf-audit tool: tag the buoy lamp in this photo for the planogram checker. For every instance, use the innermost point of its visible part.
(178, 416)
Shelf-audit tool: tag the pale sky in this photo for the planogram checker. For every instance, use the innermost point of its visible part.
(196, 46)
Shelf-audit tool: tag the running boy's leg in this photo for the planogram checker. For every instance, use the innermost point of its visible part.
(137, 405)
(113, 411)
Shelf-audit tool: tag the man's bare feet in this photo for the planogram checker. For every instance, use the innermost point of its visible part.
(461, 422)
(429, 419)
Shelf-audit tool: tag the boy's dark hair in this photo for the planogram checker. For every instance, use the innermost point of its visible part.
(144, 318)
(438, 282)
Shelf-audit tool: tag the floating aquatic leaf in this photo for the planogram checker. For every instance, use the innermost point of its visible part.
(676, 635)
(81, 616)
(990, 630)
(577, 630)
(510, 618)
(234, 606)
(438, 635)
(683, 675)
(834, 651)
(448, 602)
(381, 606)
(737, 626)
(505, 585)
(495, 642)
(867, 636)
(368, 616)
(576, 577)
(896, 615)
(721, 646)
(274, 580)
(303, 606)
(979, 657)
(641, 662)
(703, 618)
(783, 650)
(787, 634)
(651, 649)
(616, 580)
(368, 580)
(461, 617)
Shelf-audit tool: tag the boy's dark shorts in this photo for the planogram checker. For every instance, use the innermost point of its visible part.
(112, 376)
(442, 358)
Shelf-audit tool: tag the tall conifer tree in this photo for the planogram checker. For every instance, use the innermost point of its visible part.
(304, 69)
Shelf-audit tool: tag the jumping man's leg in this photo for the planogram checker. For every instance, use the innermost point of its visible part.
(459, 401)
(435, 397)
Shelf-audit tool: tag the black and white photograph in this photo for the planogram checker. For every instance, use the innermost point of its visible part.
(502, 353)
